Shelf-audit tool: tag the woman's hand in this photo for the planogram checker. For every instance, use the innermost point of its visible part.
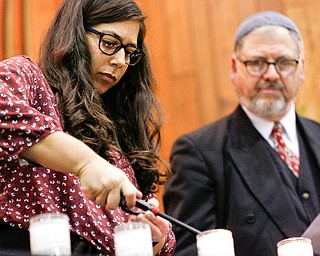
(103, 183)
(159, 226)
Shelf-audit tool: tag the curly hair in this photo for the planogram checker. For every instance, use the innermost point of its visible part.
(127, 118)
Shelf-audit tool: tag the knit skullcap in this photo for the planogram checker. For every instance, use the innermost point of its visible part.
(264, 19)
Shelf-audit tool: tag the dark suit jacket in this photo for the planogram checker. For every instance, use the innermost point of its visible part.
(224, 178)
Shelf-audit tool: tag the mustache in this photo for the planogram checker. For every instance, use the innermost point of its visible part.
(270, 85)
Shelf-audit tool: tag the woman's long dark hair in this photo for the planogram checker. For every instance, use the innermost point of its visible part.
(127, 118)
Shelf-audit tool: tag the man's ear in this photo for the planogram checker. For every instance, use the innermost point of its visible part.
(302, 71)
(233, 69)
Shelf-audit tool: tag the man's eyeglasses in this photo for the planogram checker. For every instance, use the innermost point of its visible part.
(284, 67)
(110, 45)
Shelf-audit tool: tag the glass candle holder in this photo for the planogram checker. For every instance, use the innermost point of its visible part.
(215, 242)
(295, 246)
(133, 239)
(50, 235)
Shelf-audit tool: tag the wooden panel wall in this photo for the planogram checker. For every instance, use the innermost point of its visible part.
(190, 42)
(22, 25)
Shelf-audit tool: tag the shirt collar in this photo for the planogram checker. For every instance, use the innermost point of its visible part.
(264, 126)
(289, 123)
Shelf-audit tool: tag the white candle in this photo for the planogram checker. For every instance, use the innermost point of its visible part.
(295, 246)
(133, 239)
(50, 234)
(215, 242)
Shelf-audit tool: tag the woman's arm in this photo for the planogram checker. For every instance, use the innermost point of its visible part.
(101, 181)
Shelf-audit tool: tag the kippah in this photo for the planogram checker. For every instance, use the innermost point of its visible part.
(264, 19)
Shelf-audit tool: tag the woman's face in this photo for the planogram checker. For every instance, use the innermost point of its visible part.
(107, 70)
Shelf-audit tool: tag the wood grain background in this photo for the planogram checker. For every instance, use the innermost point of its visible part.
(191, 43)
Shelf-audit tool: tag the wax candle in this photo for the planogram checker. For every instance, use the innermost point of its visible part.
(50, 235)
(133, 239)
(215, 242)
(295, 246)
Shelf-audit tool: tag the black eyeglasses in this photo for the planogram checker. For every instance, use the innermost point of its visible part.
(110, 45)
(283, 66)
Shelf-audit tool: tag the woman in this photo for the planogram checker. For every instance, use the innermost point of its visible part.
(81, 129)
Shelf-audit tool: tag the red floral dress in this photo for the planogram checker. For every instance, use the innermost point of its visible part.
(28, 113)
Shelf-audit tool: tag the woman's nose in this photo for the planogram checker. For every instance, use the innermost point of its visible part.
(119, 58)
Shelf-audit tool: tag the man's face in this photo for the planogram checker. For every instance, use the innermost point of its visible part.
(267, 90)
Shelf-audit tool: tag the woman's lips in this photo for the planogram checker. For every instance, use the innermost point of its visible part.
(108, 76)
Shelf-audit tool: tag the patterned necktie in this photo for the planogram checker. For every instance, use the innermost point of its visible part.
(285, 153)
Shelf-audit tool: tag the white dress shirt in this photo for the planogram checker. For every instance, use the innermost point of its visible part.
(264, 127)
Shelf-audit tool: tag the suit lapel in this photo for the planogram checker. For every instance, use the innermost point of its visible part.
(256, 167)
(310, 131)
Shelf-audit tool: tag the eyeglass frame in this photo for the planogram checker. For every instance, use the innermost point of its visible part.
(101, 35)
(274, 63)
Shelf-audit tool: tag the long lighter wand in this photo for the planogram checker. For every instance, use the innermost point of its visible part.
(143, 205)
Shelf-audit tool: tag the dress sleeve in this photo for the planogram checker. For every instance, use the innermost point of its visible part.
(28, 110)
(170, 244)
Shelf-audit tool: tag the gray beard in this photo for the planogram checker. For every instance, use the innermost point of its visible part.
(265, 108)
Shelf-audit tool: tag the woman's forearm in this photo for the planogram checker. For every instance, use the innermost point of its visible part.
(60, 151)
(100, 180)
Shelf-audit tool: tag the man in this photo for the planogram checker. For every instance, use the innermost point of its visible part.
(229, 174)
